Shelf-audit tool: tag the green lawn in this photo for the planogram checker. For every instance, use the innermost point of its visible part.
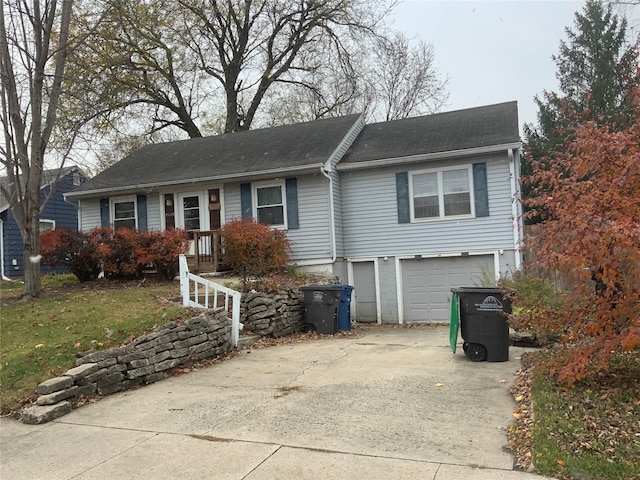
(39, 339)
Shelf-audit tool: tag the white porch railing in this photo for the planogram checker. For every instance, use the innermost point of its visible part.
(193, 288)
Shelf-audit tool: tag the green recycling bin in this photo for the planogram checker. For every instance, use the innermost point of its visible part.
(481, 317)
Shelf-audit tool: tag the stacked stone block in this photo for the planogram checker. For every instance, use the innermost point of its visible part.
(273, 315)
(144, 361)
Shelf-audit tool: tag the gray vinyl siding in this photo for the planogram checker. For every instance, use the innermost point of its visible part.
(231, 197)
(89, 213)
(153, 212)
(338, 217)
(337, 187)
(313, 239)
(371, 225)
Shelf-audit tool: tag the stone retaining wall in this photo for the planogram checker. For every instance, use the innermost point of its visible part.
(145, 360)
(272, 315)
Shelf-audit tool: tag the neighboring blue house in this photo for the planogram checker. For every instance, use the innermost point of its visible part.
(57, 213)
(402, 210)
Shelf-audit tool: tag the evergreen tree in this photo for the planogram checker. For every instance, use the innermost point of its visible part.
(597, 69)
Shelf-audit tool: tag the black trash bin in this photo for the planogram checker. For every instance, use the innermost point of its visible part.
(322, 303)
(483, 322)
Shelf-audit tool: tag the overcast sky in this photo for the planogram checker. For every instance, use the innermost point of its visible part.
(494, 51)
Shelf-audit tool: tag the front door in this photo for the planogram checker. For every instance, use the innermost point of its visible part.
(189, 214)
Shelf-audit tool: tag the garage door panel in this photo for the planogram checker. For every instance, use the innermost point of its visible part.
(427, 284)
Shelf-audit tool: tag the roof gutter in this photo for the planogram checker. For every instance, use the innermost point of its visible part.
(231, 176)
(466, 152)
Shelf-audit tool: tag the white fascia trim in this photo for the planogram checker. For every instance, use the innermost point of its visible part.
(467, 152)
(217, 178)
(344, 144)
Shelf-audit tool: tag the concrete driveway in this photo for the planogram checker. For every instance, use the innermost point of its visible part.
(384, 403)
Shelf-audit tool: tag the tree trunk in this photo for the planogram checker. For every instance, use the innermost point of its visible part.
(31, 258)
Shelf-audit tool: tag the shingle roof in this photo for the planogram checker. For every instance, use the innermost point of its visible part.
(458, 130)
(285, 147)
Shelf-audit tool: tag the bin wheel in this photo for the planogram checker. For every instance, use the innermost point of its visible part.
(465, 347)
(476, 352)
(308, 328)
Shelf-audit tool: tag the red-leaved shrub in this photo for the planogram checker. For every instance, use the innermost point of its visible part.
(254, 249)
(161, 249)
(119, 254)
(72, 249)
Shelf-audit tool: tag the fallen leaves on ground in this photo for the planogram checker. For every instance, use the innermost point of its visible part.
(598, 418)
(520, 432)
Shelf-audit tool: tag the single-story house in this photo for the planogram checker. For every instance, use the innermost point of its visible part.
(402, 210)
(56, 213)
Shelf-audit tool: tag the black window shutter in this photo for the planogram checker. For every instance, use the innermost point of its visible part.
(402, 193)
(105, 218)
(141, 201)
(480, 189)
(245, 200)
(291, 186)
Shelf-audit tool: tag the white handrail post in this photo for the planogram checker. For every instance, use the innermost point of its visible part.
(184, 280)
(236, 326)
(185, 290)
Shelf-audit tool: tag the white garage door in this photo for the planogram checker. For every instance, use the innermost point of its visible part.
(427, 284)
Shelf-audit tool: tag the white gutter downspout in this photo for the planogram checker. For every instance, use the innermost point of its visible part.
(332, 226)
(6, 279)
(514, 173)
(326, 170)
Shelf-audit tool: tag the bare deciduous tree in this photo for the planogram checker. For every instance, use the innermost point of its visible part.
(33, 51)
(250, 45)
(213, 66)
(136, 61)
(405, 79)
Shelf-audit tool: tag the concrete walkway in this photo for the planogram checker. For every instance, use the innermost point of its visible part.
(387, 403)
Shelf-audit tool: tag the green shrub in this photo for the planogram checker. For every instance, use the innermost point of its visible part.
(533, 297)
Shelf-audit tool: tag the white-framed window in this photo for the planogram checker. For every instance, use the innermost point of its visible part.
(270, 204)
(190, 205)
(46, 224)
(437, 194)
(124, 213)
